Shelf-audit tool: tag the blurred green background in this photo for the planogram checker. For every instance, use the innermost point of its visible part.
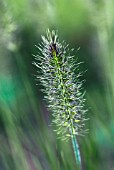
(27, 141)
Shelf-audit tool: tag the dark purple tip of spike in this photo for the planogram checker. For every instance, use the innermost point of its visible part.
(53, 48)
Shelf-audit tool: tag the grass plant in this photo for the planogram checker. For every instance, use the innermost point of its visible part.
(62, 88)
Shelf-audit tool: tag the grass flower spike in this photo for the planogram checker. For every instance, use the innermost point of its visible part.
(63, 88)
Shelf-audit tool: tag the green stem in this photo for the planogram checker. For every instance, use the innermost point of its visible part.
(76, 151)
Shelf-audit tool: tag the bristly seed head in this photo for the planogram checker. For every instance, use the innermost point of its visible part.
(63, 88)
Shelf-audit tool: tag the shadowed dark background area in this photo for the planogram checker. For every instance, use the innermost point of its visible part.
(27, 141)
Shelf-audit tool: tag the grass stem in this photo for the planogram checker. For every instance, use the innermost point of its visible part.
(76, 151)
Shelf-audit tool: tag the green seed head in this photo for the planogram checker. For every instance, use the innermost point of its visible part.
(62, 86)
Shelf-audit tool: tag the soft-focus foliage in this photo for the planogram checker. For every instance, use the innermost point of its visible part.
(26, 139)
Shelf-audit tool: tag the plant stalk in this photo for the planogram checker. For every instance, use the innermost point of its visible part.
(76, 151)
